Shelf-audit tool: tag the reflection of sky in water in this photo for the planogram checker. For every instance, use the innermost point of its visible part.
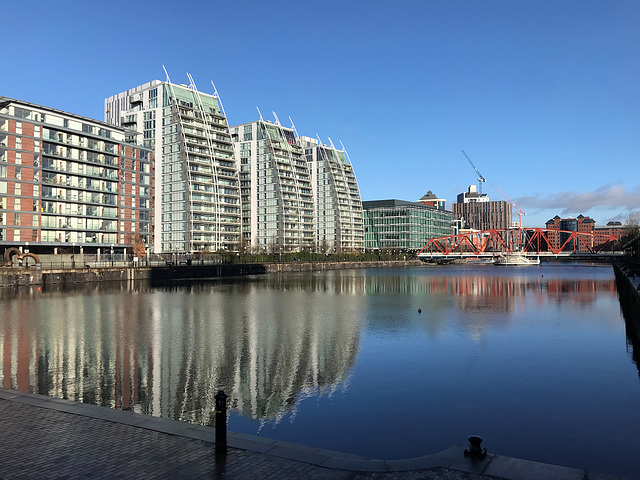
(534, 359)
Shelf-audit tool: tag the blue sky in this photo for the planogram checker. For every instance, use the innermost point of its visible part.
(543, 95)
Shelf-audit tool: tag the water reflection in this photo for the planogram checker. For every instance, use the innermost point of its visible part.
(267, 341)
(534, 359)
(167, 351)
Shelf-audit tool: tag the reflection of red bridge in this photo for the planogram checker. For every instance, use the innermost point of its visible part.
(531, 241)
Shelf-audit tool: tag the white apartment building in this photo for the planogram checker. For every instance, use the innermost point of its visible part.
(339, 215)
(197, 205)
(275, 187)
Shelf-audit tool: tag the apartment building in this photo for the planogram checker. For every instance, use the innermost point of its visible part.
(339, 214)
(480, 213)
(275, 187)
(67, 181)
(297, 194)
(196, 181)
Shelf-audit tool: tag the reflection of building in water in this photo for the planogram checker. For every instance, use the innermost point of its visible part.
(489, 293)
(167, 353)
(583, 291)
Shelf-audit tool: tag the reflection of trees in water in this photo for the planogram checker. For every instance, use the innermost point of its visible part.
(168, 352)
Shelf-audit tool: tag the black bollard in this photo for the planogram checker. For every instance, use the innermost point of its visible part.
(221, 423)
(475, 449)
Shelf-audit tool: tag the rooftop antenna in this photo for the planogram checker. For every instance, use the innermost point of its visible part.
(260, 113)
(293, 127)
(217, 96)
(276, 117)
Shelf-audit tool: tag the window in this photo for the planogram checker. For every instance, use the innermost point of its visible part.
(22, 113)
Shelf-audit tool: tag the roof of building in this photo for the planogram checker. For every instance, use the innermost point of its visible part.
(4, 101)
(392, 202)
(429, 196)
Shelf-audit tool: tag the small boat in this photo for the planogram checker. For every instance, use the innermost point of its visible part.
(516, 259)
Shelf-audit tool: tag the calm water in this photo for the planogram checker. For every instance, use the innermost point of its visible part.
(534, 359)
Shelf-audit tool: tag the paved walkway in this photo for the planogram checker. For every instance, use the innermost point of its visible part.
(43, 438)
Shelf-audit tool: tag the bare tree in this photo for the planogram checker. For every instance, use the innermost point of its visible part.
(631, 241)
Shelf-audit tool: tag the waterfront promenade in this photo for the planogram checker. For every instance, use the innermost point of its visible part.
(45, 437)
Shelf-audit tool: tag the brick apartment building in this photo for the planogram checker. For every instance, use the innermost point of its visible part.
(480, 213)
(70, 181)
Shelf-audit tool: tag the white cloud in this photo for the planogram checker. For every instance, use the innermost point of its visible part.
(608, 197)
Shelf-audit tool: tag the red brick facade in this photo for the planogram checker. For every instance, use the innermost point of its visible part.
(66, 179)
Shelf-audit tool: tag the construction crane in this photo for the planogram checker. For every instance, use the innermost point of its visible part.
(520, 212)
(481, 179)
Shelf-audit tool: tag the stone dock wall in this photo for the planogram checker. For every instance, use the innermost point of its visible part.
(628, 284)
(15, 277)
(322, 266)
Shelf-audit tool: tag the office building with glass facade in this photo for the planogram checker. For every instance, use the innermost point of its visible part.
(70, 181)
(196, 182)
(400, 225)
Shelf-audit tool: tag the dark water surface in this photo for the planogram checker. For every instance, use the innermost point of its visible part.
(534, 359)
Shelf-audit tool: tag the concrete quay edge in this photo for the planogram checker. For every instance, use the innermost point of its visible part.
(491, 466)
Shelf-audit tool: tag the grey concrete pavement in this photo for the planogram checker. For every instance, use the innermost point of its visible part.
(42, 437)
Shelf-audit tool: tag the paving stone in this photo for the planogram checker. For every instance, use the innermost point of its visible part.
(48, 438)
(517, 469)
(298, 455)
(420, 463)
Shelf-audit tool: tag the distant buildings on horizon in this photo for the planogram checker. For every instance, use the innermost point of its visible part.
(167, 171)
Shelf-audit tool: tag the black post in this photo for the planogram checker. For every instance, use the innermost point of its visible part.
(221, 423)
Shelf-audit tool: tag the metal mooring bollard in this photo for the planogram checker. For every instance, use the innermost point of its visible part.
(221, 422)
(475, 450)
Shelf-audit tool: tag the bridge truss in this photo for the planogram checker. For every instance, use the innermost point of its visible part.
(530, 241)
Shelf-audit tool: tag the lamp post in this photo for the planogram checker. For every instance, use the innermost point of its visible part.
(73, 255)
(112, 254)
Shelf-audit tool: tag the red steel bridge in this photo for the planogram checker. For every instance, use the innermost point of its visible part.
(533, 242)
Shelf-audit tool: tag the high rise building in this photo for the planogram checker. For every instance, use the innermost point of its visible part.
(275, 188)
(296, 193)
(339, 215)
(67, 181)
(480, 213)
(196, 181)
(397, 224)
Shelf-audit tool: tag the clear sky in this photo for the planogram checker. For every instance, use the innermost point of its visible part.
(544, 95)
